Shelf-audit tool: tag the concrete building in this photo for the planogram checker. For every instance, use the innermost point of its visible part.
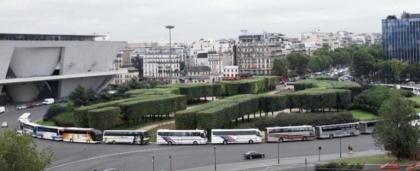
(230, 72)
(51, 65)
(200, 74)
(256, 53)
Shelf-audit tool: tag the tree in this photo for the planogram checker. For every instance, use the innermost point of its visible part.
(280, 67)
(78, 96)
(20, 153)
(298, 62)
(54, 110)
(412, 71)
(363, 64)
(391, 70)
(341, 57)
(394, 131)
(138, 63)
(319, 62)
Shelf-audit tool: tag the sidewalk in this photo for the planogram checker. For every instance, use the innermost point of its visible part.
(290, 163)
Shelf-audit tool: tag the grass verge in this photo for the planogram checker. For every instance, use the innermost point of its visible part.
(362, 115)
(374, 159)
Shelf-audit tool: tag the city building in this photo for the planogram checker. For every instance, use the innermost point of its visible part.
(158, 63)
(51, 65)
(401, 37)
(230, 72)
(199, 74)
(256, 53)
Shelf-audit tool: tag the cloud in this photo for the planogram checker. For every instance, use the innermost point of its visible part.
(144, 20)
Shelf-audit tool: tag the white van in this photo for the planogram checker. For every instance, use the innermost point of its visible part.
(48, 101)
(2, 109)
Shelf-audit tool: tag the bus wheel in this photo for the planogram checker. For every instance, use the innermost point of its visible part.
(113, 141)
(305, 138)
(225, 142)
(71, 140)
(170, 143)
(281, 140)
(251, 142)
(195, 142)
(331, 136)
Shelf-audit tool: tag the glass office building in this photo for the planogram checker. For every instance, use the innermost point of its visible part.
(401, 37)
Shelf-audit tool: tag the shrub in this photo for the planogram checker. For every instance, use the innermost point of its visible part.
(65, 119)
(333, 166)
(371, 99)
(104, 118)
(54, 110)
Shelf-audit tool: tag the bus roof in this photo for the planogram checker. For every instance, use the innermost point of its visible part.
(174, 130)
(25, 116)
(53, 127)
(30, 123)
(139, 130)
(245, 129)
(352, 123)
(277, 127)
(368, 121)
(76, 128)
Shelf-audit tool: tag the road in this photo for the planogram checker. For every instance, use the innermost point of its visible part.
(72, 156)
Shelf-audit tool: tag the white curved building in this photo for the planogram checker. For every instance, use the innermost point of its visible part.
(52, 65)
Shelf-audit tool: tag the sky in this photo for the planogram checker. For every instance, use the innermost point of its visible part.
(145, 20)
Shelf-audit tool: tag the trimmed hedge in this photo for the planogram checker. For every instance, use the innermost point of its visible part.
(104, 118)
(354, 87)
(249, 86)
(316, 99)
(291, 119)
(134, 111)
(153, 91)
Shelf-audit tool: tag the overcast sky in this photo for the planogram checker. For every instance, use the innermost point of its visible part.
(144, 20)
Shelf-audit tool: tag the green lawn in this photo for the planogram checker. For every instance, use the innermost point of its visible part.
(362, 115)
(46, 123)
(415, 99)
(375, 159)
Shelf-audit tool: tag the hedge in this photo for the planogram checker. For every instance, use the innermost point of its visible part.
(153, 91)
(104, 118)
(196, 91)
(249, 86)
(292, 119)
(134, 111)
(354, 87)
(319, 99)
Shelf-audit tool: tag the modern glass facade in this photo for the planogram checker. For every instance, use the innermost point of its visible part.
(401, 38)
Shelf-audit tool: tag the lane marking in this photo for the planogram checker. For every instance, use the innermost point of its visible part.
(110, 155)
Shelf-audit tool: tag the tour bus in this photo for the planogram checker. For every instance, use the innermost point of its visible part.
(81, 135)
(126, 136)
(337, 130)
(290, 133)
(366, 127)
(25, 117)
(228, 136)
(166, 136)
(49, 132)
(26, 127)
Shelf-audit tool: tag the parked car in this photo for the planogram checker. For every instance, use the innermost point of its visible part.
(4, 125)
(253, 155)
(21, 107)
(2, 109)
(48, 101)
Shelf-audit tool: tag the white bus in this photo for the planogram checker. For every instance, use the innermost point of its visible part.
(290, 133)
(126, 136)
(337, 130)
(366, 127)
(228, 136)
(27, 128)
(49, 132)
(81, 135)
(166, 136)
(25, 117)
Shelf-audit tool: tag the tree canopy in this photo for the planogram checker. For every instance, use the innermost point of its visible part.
(20, 153)
(394, 131)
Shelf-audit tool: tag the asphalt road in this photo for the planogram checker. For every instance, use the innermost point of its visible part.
(75, 157)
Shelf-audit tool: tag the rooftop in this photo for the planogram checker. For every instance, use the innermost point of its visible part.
(50, 37)
(199, 69)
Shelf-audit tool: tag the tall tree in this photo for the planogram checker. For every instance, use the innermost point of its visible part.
(363, 64)
(280, 67)
(341, 57)
(138, 64)
(298, 62)
(20, 153)
(78, 96)
(394, 131)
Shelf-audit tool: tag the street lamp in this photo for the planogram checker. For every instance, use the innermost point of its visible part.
(170, 27)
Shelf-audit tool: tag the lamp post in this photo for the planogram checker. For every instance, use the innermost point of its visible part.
(170, 27)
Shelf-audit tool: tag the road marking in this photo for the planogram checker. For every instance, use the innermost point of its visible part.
(110, 155)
